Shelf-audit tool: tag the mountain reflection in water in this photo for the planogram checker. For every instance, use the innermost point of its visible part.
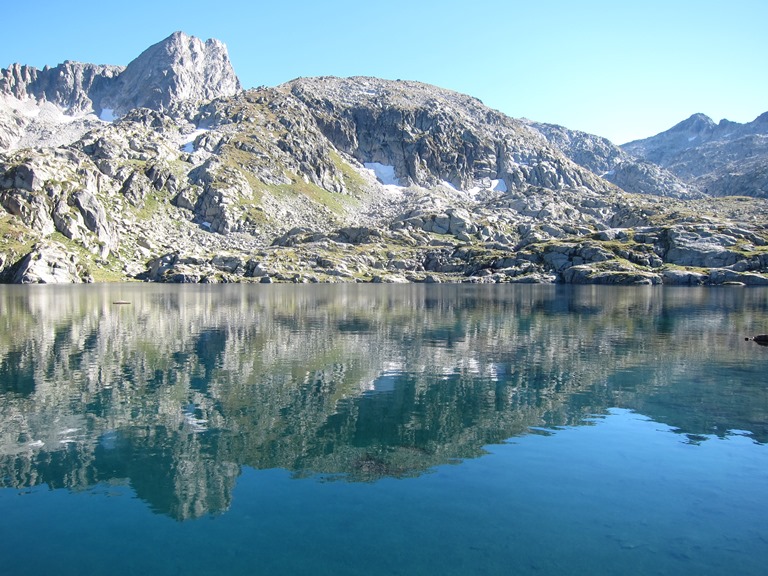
(176, 391)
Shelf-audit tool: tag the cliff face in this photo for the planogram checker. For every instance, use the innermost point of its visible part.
(328, 179)
(430, 135)
(72, 86)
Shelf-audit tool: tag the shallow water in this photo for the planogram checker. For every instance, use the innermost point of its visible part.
(382, 430)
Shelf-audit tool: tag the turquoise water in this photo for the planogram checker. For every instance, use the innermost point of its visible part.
(383, 430)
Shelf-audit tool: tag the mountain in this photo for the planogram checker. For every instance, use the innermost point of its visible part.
(605, 159)
(166, 170)
(725, 159)
(57, 105)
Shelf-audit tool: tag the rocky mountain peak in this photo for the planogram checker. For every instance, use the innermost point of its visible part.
(181, 67)
(724, 159)
(431, 135)
(55, 106)
(695, 124)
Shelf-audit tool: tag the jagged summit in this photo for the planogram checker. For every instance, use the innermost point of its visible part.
(695, 123)
(727, 158)
(179, 68)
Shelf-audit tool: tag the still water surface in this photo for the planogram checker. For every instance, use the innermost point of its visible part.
(382, 430)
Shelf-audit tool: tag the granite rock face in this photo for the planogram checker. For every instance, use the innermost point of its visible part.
(430, 135)
(180, 68)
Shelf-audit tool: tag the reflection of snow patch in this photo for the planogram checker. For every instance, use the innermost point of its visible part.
(36, 444)
(107, 114)
(387, 379)
(195, 423)
(384, 174)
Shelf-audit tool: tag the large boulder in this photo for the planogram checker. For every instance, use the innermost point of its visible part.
(50, 263)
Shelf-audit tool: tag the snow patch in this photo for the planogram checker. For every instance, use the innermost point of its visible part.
(187, 143)
(499, 185)
(487, 184)
(692, 138)
(384, 174)
(196, 424)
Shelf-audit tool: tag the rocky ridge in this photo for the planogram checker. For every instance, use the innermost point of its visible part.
(611, 162)
(723, 159)
(357, 180)
(56, 106)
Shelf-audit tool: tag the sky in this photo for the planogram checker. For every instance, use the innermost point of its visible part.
(622, 69)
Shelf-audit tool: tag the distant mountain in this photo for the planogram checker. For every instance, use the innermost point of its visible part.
(166, 170)
(605, 159)
(725, 159)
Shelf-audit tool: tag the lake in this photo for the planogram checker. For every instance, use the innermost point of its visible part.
(364, 429)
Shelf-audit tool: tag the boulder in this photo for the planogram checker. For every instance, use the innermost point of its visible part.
(50, 263)
(95, 218)
(32, 208)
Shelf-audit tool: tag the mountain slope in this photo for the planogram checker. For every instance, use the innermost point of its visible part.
(605, 159)
(724, 159)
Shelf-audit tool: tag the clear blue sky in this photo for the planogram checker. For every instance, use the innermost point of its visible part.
(621, 69)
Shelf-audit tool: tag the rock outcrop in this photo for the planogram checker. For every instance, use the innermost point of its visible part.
(50, 263)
